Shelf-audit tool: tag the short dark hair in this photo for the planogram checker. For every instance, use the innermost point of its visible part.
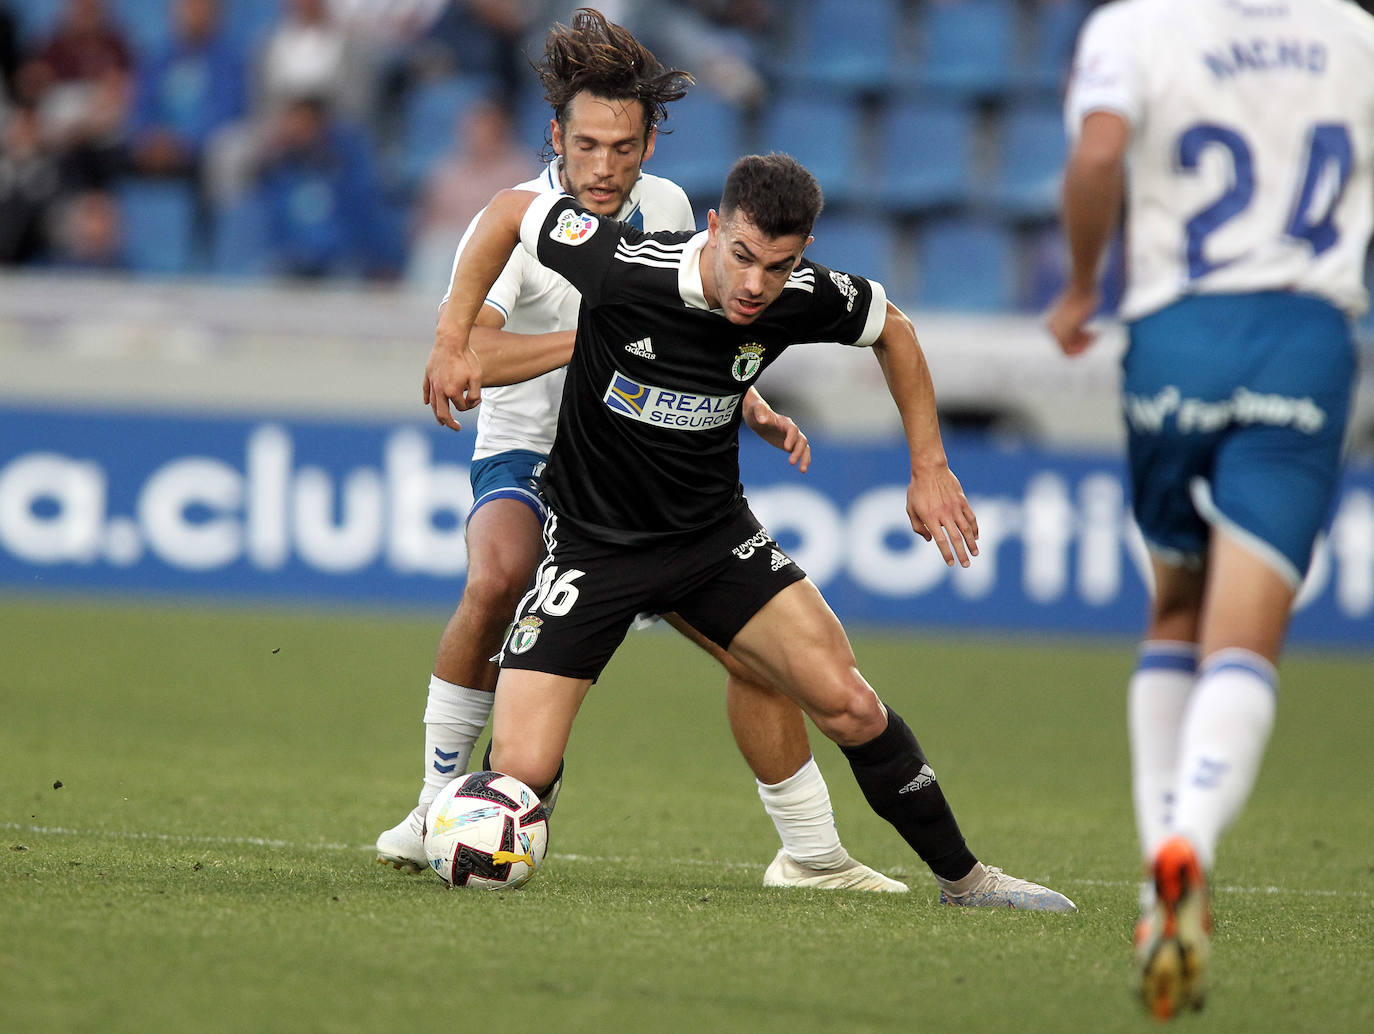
(606, 60)
(776, 192)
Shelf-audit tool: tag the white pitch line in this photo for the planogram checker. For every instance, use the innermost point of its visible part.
(707, 863)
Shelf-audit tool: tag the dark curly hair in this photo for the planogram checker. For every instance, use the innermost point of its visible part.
(606, 60)
(776, 192)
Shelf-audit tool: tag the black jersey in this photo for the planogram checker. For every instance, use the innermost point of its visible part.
(647, 445)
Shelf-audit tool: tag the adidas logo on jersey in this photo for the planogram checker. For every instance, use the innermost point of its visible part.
(644, 348)
(780, 560)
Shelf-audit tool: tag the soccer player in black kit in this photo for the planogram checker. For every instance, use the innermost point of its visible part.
(647, 512)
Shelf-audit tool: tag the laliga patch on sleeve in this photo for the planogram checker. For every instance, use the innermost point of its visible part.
(573, 228)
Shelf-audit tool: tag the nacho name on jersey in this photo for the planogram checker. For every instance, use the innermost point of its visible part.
(668, 407)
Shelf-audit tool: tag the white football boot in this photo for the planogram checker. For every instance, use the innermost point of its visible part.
(989, 887)
(403, 845)
(784, 871)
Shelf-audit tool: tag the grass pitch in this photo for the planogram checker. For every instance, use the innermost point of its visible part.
(190, 797)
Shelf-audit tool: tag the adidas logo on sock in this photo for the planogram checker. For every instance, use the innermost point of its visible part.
(780, 560)
(644, 348)
(925, 777)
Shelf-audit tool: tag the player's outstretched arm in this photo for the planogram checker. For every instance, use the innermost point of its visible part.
(777, 430)
(1094, 185)
(935, 500)
(509, 358)
(453, 374)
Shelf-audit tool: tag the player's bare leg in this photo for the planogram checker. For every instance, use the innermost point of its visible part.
(798, 644)
(505, 545)
(770, 731)
(531, 723)
(1221, 743)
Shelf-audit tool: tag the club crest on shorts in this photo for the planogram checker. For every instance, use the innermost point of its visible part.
(524, 634)
(747, 362)
(573, 228)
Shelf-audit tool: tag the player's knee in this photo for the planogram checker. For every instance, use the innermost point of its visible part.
(518, 760)
(493, 589)
(851, 717)
(1176, 608)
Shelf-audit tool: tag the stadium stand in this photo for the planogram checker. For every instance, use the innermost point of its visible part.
(159, 226)
(845, 44)
(967, 48)
(966, 264)
(932, 125)
(861, 244)
(824, 133)
(428, 112)
(704, 134)
(1033, 146)
(926, 152)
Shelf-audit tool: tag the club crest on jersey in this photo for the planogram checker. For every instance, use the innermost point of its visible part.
(573, 228)
(524, 634)
(747, 362)
(668, 407)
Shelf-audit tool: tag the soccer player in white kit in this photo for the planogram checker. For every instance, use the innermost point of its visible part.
(608, 93)
(1240, 135)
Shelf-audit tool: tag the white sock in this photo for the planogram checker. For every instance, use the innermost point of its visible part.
(1156, 701)
(800, 809)
(454, 717)
(1225, 733)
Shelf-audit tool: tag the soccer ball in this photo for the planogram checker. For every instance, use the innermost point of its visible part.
(486, 830)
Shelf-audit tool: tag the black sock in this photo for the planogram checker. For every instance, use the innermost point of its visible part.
(900, 786)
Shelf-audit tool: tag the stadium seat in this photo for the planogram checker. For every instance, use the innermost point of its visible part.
(706, 136)
(866, 245)
(967, 265)
(1054, 31)
(846, 44)
(159, 226)
(926, 157)
(429, 113)
(1033, 146)
(823, 133)
(238, 248)
(967, 47)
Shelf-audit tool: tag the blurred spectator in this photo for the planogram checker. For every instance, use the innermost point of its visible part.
(79, 80)
(309, 51)
(484, 158)
(89, 233)
(325, 211)
(29, 184)
(195, 86)
(482, 38)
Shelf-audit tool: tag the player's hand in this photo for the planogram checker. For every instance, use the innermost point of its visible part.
(1068, 318)
(453, 376)
(940, 513)
(779, 431)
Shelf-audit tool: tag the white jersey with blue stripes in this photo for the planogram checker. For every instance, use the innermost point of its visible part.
(536, 300)
(1251, 161)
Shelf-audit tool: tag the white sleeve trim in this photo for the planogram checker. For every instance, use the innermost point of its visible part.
(1106, 71)
(877, 316)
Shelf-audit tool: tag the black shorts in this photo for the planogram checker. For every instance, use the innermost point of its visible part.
(586, 593)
